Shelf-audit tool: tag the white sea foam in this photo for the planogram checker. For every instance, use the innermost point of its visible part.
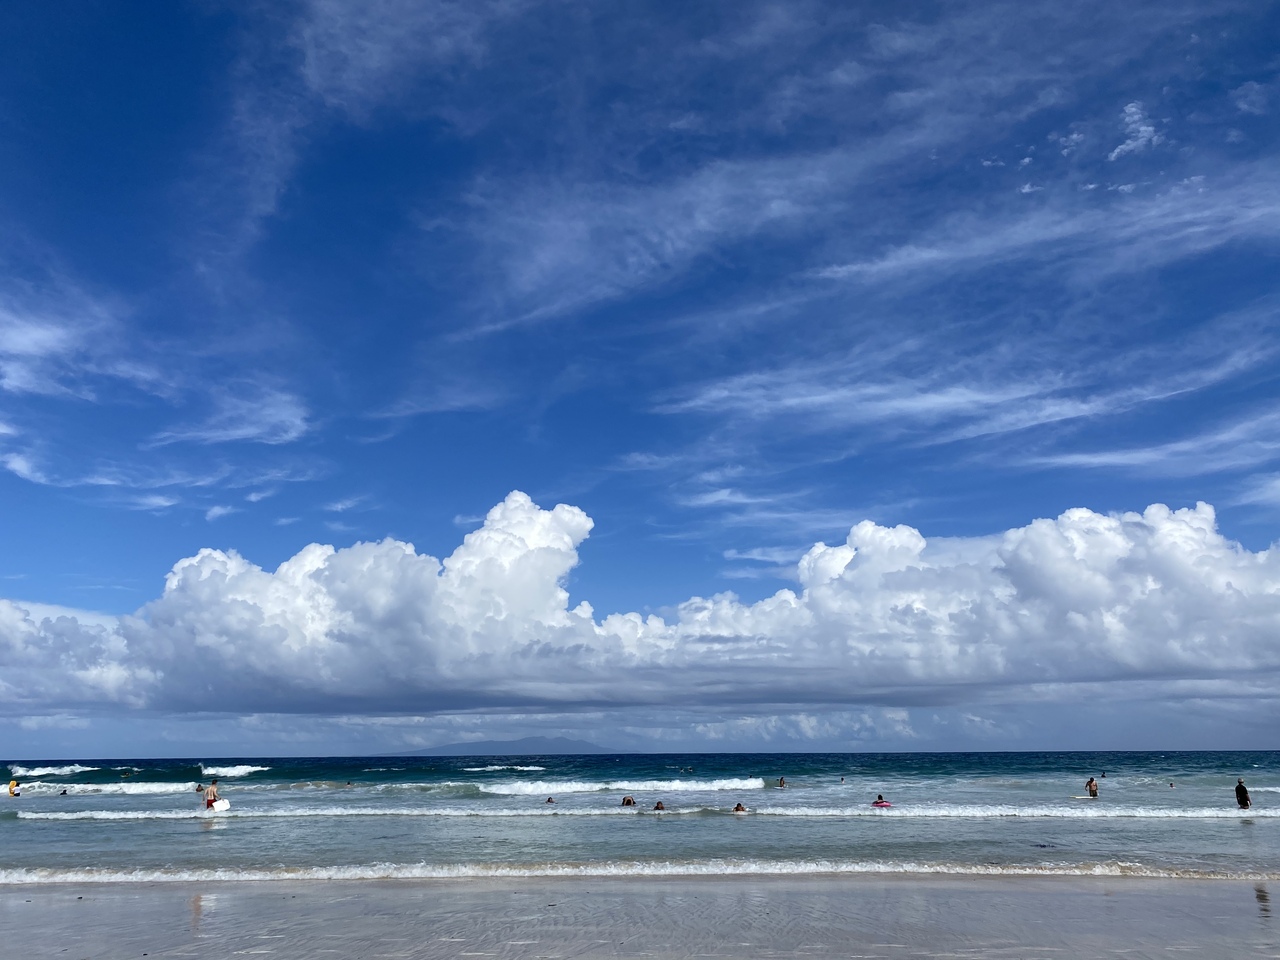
(499, 766)
(136, 787)
(293, 812)
(707, 868)
(552, 787)
(1089, 811)
(64, 771)
(241, 770)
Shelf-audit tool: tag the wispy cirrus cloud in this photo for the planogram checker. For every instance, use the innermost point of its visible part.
(1133, 233)
(1141, 130)
(1243, 444)
(301, 68)
(252, 413)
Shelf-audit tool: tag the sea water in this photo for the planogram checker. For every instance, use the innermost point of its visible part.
(1157, 814)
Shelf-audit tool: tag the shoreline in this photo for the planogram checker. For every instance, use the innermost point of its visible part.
(607, 872)
(889, 915)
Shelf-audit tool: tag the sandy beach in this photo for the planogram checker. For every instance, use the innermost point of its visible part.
(890, 916)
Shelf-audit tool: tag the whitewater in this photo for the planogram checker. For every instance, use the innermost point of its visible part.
(1158, 814)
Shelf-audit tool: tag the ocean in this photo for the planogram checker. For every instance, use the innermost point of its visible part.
(1157, 814)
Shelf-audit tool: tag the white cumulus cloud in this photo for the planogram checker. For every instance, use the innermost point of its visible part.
(884, 618)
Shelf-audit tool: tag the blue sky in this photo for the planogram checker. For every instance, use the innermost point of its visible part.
(728, 281)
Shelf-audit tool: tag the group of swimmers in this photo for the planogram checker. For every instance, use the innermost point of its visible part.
(1090, 785)
(630, 801)
(1243, 799)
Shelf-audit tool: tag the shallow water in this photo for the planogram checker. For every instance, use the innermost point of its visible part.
(1000, 813)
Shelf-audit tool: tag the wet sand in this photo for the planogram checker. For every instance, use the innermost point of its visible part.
(737, 917)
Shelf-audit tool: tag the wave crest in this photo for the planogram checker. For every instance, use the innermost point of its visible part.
(552, 787)
(239, 770)
(68, 770)
(705, 868)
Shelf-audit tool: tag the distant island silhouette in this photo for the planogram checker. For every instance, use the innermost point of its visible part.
(524, 747)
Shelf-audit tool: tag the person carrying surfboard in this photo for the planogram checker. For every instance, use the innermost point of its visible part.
(211, 794)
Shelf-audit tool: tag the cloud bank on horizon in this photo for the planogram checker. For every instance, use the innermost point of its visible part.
(735, 278)
(1045, 611)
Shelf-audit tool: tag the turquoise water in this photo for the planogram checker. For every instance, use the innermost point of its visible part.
(1010, 813)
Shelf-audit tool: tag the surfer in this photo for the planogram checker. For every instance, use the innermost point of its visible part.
(211, 794)
(782, 781)
(1242, 795)
(1091, 785)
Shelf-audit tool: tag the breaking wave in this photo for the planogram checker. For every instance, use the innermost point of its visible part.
(993, 811)
(240, 770)
(552, 787)
(293, 812)
(137, 787)
(622, 869)
(499, 766)
(63, 771)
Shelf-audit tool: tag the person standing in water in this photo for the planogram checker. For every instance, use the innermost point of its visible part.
(1091, 785)
(1242, 795)
(211, 794)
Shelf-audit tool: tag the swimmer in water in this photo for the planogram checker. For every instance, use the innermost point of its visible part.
(739, 809)
(551, 799)
(782, 781)
(15, 788)
(659, 806)
(628, 801)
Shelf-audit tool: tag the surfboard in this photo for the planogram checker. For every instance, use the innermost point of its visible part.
(1084, 798)
(221, 805)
